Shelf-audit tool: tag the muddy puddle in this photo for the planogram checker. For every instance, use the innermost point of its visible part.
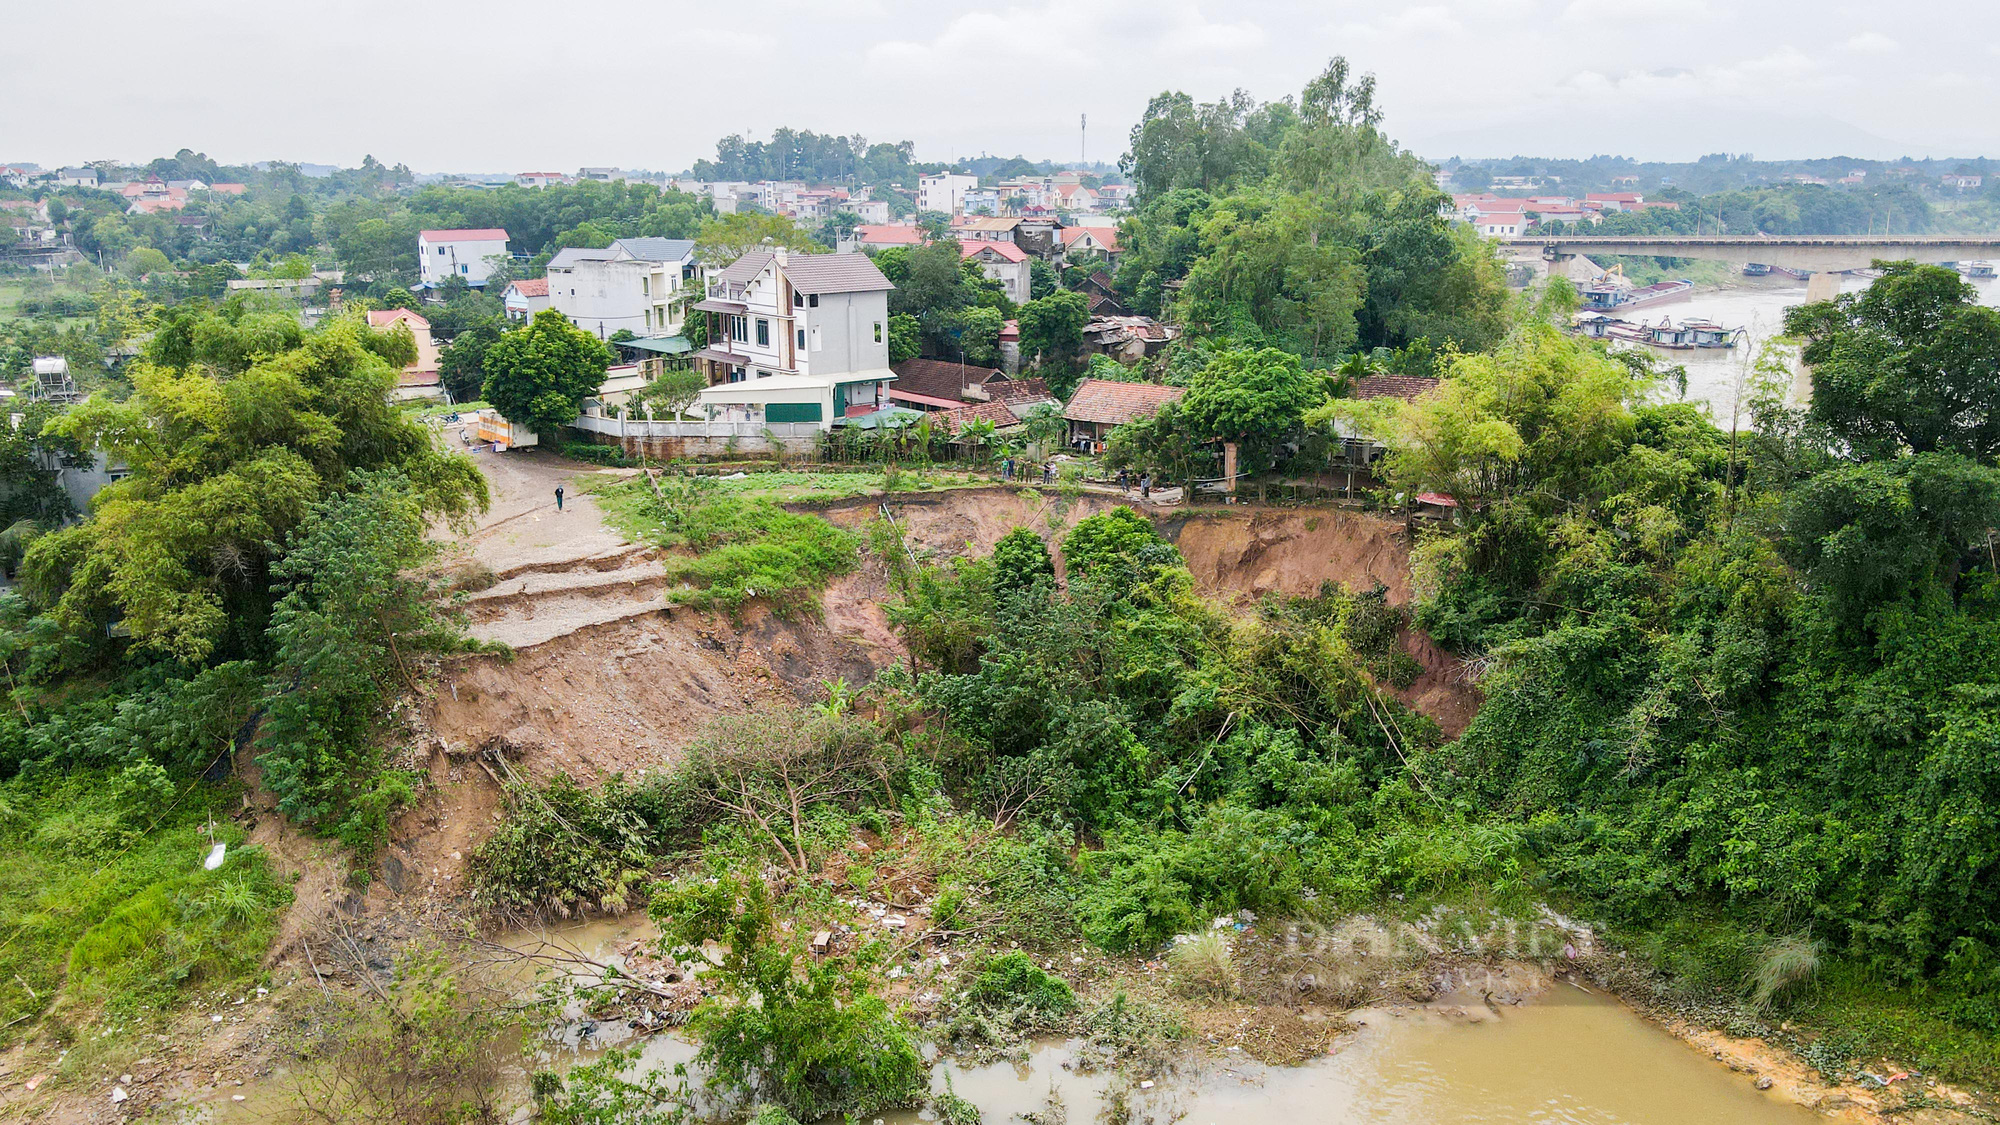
(1565, 1058)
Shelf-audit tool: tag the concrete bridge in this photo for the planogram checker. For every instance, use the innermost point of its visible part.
(1823, 254)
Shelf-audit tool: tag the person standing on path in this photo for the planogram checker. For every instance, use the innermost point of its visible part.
(558, 499)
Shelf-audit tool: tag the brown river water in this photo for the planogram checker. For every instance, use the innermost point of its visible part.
(1715, 375)
(1566, 1058)
(1570, 1056)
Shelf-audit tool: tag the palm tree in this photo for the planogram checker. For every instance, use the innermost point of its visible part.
(978, 434)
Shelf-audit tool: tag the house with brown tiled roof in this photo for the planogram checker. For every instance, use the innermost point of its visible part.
(1405, 387)
(953, 421)
(1102, 405)
(941, 384)
(1022, 395)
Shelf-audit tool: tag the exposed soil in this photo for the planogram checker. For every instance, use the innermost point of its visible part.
(1252, 551)
(606, 678)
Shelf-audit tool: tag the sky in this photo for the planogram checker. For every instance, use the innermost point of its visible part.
(513, 85)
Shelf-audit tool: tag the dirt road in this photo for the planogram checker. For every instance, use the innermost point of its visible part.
(556, 571)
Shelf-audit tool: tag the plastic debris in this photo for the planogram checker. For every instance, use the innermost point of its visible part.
(118, 1094)
(215, 855)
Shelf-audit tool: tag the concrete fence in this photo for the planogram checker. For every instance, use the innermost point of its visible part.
(668, 441)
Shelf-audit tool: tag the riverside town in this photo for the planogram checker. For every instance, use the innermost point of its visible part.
(1077, 564)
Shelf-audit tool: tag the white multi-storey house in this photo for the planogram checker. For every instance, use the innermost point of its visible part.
(458, 253)
(796, 338)
(634, 284)
(944, 191)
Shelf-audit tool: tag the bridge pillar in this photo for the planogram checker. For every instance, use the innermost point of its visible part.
(1823, 286)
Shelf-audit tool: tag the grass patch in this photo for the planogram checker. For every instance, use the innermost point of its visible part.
(440, 409)
(100, 909)
(737, 546)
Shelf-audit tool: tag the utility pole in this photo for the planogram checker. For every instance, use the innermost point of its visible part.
(1083, 139)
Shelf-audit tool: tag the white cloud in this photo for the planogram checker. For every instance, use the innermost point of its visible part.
(1425, 21)
(1871, 43)
(1627, 12)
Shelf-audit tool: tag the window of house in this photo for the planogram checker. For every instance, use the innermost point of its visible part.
(763, 333)
(802, 337)
(813, 300)
(649, 320)
(798, 299)
(878, 331)
(645, 287)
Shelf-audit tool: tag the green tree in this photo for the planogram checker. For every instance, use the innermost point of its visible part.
(539, 374)
(1910, 363)
(804, 1033)
(675, 391)
(1254, 398)
(349, 624)
(978, 332)
(233, 431)
(906, 337)
(725, 238)
(1052, 329)
(1042, 279)
(462, 364)
(1020, 563)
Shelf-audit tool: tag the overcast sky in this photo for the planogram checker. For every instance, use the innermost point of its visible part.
(513, 85)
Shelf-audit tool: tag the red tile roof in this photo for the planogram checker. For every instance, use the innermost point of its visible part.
(889, 234)
(1020, 390)
(1405, 387)
(383, 318)
(1103, 236)
(940, 380)
(955, 419)
(1112, 403)
(1006, 250)
(483, 234)
(531, 286)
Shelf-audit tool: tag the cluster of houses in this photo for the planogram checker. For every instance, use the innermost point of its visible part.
(791, 337)
(1502, 217)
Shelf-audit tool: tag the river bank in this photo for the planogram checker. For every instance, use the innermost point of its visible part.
(1387, 1023)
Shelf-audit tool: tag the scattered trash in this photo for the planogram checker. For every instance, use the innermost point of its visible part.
(821, 941)
(34, 1082)
(215, 1019)
(1764, 1082)
(895, 921)
(215, 855)
(1146, 1085)
(118, 1094)
(236, 1097)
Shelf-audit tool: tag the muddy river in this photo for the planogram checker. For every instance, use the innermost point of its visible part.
(1715, 375)
(1567, 1056)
